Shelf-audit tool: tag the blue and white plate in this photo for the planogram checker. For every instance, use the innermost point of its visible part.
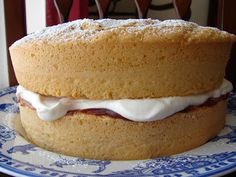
(18, 157)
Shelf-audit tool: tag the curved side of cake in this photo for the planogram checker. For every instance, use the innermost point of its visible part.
(146, 70)
(103, 137)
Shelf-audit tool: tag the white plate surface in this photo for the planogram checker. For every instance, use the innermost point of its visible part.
(18, 157)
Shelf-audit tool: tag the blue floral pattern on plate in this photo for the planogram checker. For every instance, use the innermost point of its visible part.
(6, 134)
(20, 157)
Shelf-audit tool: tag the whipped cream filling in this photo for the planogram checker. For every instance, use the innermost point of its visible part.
(52, 108)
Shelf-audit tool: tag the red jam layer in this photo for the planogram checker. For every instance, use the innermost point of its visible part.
(106, 112)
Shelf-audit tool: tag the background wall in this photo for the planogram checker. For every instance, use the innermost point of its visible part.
(35, 15)
(3, 51)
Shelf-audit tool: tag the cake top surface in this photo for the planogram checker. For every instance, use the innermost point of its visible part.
(148, 30)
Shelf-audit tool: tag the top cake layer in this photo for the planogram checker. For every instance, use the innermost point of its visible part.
(145, 30)
(113, 59)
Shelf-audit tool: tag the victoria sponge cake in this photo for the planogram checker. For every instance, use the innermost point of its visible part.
(122, 89)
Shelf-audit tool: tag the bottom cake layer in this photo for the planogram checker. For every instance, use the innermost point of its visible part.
(107, 138)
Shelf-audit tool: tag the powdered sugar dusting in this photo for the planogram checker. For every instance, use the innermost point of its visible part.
(87, 29)
(179, 23)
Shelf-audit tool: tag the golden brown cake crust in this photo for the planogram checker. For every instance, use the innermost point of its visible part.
(112, 59)
(102, 137)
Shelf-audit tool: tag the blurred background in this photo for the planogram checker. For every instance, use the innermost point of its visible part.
(21, 17)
